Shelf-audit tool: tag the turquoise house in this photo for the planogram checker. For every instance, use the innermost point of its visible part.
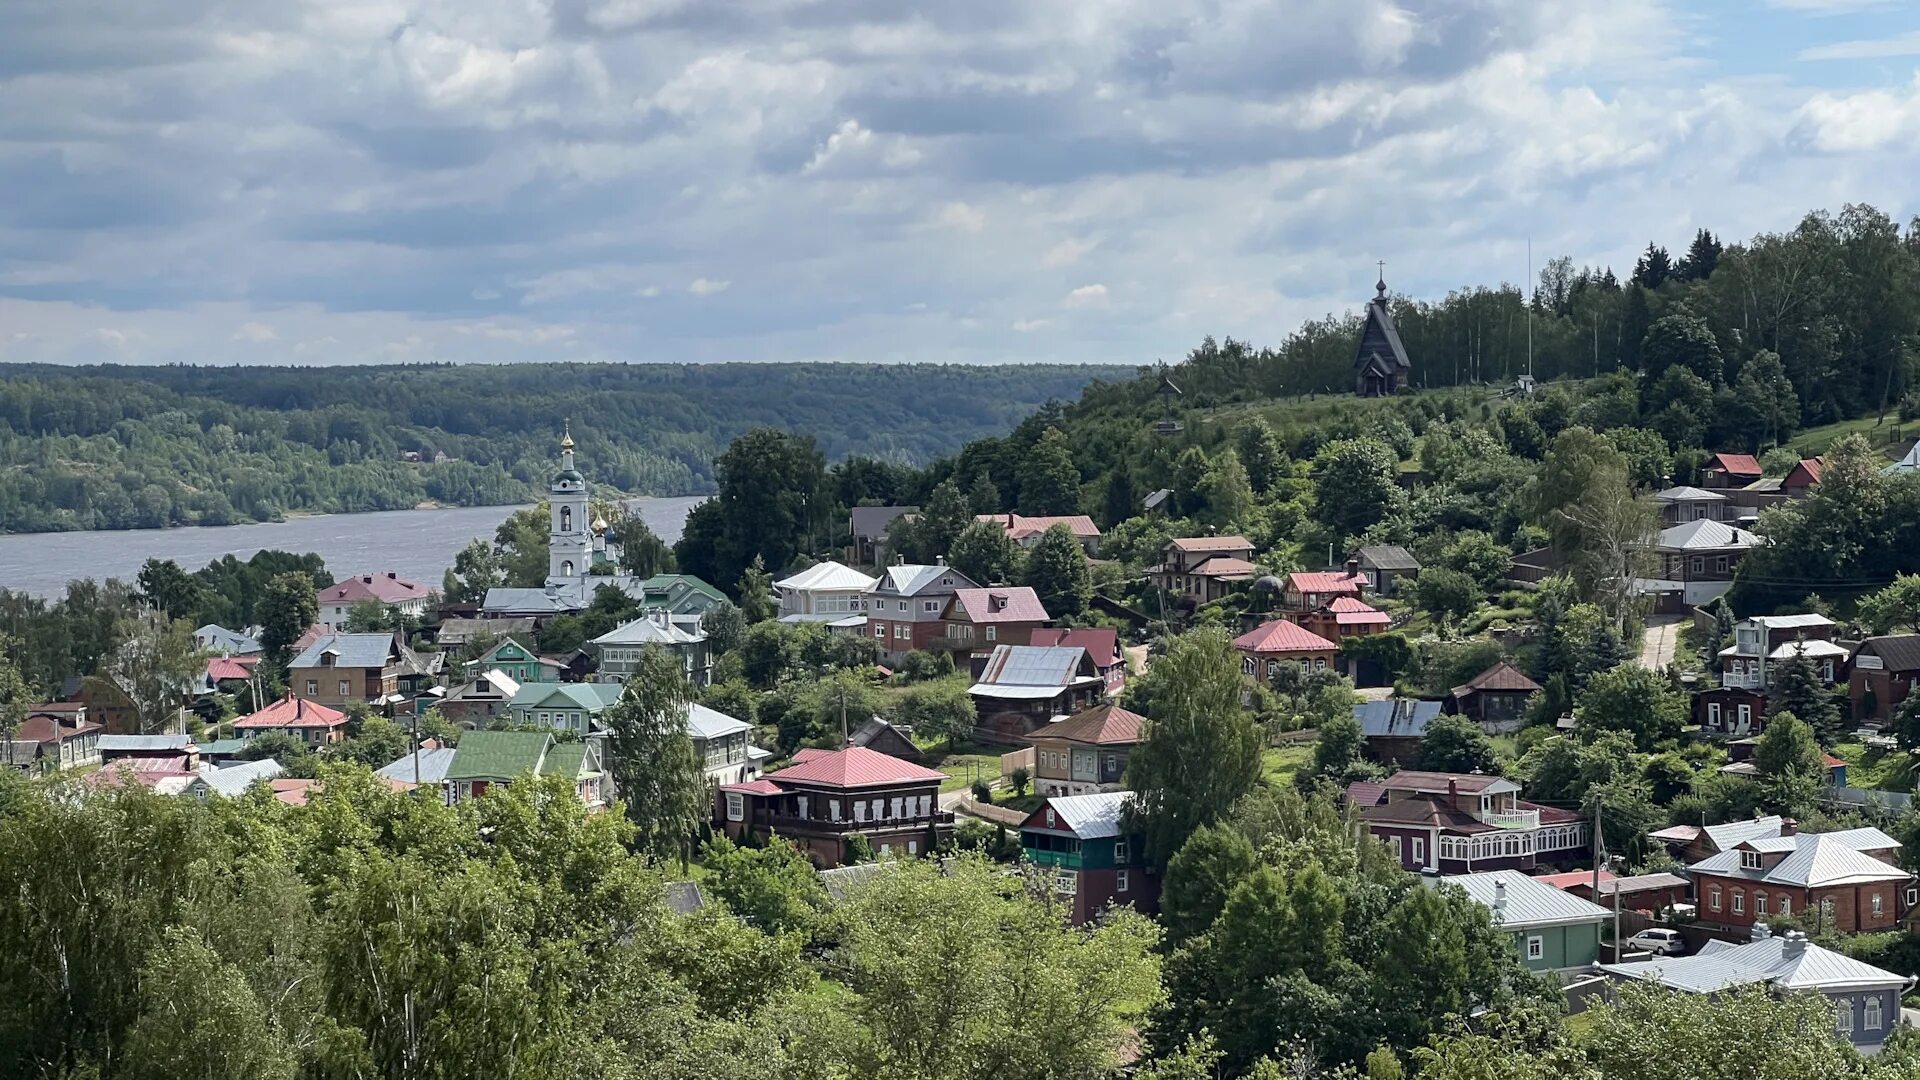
(516, 660)
(1553, 931)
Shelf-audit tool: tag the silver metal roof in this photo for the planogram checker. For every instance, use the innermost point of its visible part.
(1092, 817)
(1525, 902)
(1788, 963)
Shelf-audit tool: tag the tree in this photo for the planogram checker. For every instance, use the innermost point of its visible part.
(1200, 876)
(1226, 491)
(1894, 609)
(651, 758)
(1795, 686)
(476, 568)
(984, 553)
(945, 515)
(1701, 257)
(522, 542)
(1766, 393)
(1057, 572)
(1788, 747)
(167, 587)
(1260, 454)
(1448, 594)
(772, 492)
(219, 1031)
(773, 887)
(152, 671)
(1633, 700)
(378, 742)
(724, 624)
(1682, 341)
(1906, 723)
(1202, 750)
(1356, 484)
(1339, 753)
(1049, 479)
(941, 710)
(289, 750)
(1456, 744)
(1611, 530)
(16, 696)
(824, 712)
(756, 592)
(1478, 556)
(1653, 268)
(286, 608)
(642, 552)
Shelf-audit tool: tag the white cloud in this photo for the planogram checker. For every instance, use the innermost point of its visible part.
(258, 333)
(1862, 122)
(707, 286)
(968, 219)
(1066, 252)
(1907, 44)
(1028, 326)
(1086, 296)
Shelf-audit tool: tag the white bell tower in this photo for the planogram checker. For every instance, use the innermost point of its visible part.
(569, 544)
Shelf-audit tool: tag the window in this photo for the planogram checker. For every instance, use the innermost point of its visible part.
(346, 688)
(1720, 565)
(1749, 860)
(1913, 894)
(736, 806)
(1786, 904)
(1398, 856)
(1697, 564)
(901, 632)
(1536, 948)
(1247, 666)
(930, 606)
(993, 633)
(1120, 881)
(913, 847)
(833, 809)
(1420, 850)
(1826, 671)
(1759, 903)
(800, 806)
(1739, 902)
(1050, 818)
(880, 630)
(897, 807)
(313, 687)
(1873, 1013)
(1746, 716)
(903, 605)
(1843, 1015)
(1713, 898)
(1119, 851)
(886, 850)
(1879, 905)
(926, 806)
(1713, 714)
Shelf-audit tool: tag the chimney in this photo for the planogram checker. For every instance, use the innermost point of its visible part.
(1499, 896)
(939, 560)
(1453, 788)
(1353, 567)
(391, 576)
(1789, 827)
(1761, 931)
(1796, 944)
(367, 579)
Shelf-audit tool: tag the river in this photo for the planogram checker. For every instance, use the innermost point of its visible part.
(416, 544)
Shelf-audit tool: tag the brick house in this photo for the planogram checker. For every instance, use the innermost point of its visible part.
(1882, 673)
(1839, 881)
(308, 721)
(1081, 843)
(905, 608)
(1738, 706)
(1692, 843)
(827, 797)
(1264, 648)
(1461, 823)
(1103, 648)
(388, 590)
(1307, 590)
(1724, 471)
(1086, 752)
(341, 669)
(1025, 531)
(1496, 698)
(976, 620)
(1204, 568)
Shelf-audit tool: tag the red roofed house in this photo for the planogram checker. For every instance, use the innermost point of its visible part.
(1102, 645)
(1264, 648)
(309, 721)
(828, 797)
(1345, 617)
(1086, 752)
(1204, 568)
(52, 738)
(1463, 823)
(1801, 479)
(1497, 698)
(1730, 471)
(979, 619)
(1027, 531)
(1309, 590)
(387, 590)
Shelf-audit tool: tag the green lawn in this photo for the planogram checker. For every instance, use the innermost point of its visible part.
(1279, 764)
(966, 761)
(1816, 440)
(1874, 769)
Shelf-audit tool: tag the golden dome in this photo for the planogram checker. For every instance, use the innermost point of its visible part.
(566, 435)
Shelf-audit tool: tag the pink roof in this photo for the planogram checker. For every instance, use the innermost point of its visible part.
(1212, 543)
(1281, 636)
(1811, 467)
(808, 753)
(762, 786)
(1101, 643)
(1572, 878)
(46, 729)
(1325, 581)
(1019, 527)
(1006, 604)
(385, 588)
(292, 712)
(221, 668)
(1735, 464)
(856, 766)
(1224, 566)
(1350, 611)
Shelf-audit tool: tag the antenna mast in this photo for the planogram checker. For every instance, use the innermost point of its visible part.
(1532, 285)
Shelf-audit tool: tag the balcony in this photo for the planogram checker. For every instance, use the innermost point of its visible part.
(1743, 681)
(790, 823)
(1511, 819)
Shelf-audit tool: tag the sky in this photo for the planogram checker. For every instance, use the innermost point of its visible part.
(983, 181)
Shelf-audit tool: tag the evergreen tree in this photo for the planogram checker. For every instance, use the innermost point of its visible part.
(1117, 504)
(946, 513)
(1767, 395)
(757, 602)
(984, 553)
(651, 758)
(1189, 479)
(1654, 267)
(1049, 480)
(983, 496)
(1701, 257)
(1057, 571)
(167, 587)
(1633, 325)
(286, 608)
(1794, 686)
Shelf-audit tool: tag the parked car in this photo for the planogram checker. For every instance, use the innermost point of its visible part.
(1658, 942)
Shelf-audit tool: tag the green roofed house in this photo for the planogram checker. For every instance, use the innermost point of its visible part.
(1553, 931)
(681, 594)
(564, 706)
(486, 758)
(519, 663)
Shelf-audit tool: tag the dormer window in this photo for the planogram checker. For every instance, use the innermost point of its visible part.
(1749, 860)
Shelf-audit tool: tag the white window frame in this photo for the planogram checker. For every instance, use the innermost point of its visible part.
(930, 606)
(1713, 898)
(736, 806)
(346, 688)
(1739, 902)
(1749, 860)
(1420, 850)
(1879, 905)
(1120, 881)
(1786, 904)
(1746, 715)
(1875, 1018)
(1759, 903)
(1536, 947)
(1713, 714)
(1843, 1015)
(1064, 881)
(1398, 855)
(993, 632)
(313, 687)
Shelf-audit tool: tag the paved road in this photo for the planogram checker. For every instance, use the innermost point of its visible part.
(1662, 637)
(1912, 1017)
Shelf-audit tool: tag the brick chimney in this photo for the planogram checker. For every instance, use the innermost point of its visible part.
(1353, 567)
(1796, 944)
(1789, 827)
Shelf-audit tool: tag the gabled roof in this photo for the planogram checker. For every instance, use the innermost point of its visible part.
(855, 767)
(705, 723)
(225, 668)
(46, 729)
(1089, 817)
(1810, 469)
(1106, 724)
(380, 588)
(1727, 834)
(649, 630)
(433, 766)
(1379, 339)
(145, 744)
(1221, 566)
(1281, 636)
(1387, 557)
(1816, 860)
(1352, 611)
(1000, 604)
(527, 601)
(220, 639)
(591, 697)
(461, 631)
(1395, 718)
(1910, 463)
(1020, 526)
(909, 579)
(500, 755)
(1785, 962)
(1897, 652)
(1326, 581)
(1813, 650)
(234, 780)
(1689, 494)
(1501, 676)
(1423, 809)
(1102, 642)
(292, 712)
(826, 577)
(350, 651)
(1705, 535)
(1156, 498)
(1033, 665)
(1735, 464)
(1210, 543)
(870, 522)
(1519, 902)
(1439, 783)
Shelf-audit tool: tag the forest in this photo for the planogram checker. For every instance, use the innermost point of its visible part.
(149, 447)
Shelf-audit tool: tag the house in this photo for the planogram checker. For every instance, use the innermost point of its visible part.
(1724, 471)
(425, 767)
(388, 590)
(516, 661)
(1081, 844)
(1533, 567)
(1679, 505)
(53, 739)
(1344, 617)
(824, 592)
(1738, 706)
(1380, 364)
(478, 700)
(1462, 823)
(1907, 464)
(457, 633)
(1839, 881)
(1696, 562)
(1023, 687)
(1865, 999)
(1692, 843)
(827, 797)
(1264, 648)
(1497, 698)
(1087, 752)
(341, 669)
(721, 742)
(1394, 728)
(1553, 931)
(564, 706)
(1802, 478)
(487, 759)
(176, 751)
(215, 638)
(678, 594)
(227, 674)
(1103, 648)
(1307, 590)
(867, 532)
(1881, 673)
(1204, 568)
(1156, 500)
(1385, 565)
(230, 781)
(1652, 893)
(309, 721)
(874, 734)
(619, 650)
(905, 607)
(976, 620)
(1026, 531)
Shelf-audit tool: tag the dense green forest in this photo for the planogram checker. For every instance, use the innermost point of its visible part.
(134, 447)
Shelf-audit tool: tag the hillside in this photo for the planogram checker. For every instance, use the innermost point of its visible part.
(132, 447)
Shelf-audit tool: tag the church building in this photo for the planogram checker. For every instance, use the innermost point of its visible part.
(576, 549)
(1380, 364)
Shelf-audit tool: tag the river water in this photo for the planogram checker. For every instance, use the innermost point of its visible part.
(416, 544)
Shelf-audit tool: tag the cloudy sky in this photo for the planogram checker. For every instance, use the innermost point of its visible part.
(337, 181)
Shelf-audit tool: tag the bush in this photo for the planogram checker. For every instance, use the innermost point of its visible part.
(921, 666)
(982, 792)
(1021, 777)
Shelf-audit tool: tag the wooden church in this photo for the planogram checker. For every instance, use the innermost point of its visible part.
(1380, 365)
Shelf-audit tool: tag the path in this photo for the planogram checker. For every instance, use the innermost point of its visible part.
(1662, 637)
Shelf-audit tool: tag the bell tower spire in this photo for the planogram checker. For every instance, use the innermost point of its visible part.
(569, 543)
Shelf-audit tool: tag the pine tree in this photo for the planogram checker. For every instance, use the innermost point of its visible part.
(756, 592)
(1057, 571)
(1654, 267)
(983, 495)
(1701, 257)
(1793, 685)
(1049, 480)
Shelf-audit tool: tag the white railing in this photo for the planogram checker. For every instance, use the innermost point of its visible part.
(1511, 819)
(1743, 682)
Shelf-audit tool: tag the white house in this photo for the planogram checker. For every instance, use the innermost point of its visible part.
(825, 592)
